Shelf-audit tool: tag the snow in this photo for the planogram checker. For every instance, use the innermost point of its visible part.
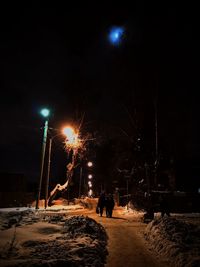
(53, 208)
(56, 237)
(177, 240)
(56, 240)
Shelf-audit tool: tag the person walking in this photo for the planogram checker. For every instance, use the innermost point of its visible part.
(101, 203)
(110, 203)
(164, 206)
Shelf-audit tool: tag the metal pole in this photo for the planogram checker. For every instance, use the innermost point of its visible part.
(48, 172)
(127, 190)
(42, 163)
(156, 141)
(148, 181)
(80, 181)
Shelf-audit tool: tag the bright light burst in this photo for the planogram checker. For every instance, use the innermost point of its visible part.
(72, 139)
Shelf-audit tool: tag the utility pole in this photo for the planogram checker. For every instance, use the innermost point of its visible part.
(156, 142)
(147, 179)
(48, 172)
(127, 190)
(80, 181)
(42, 163)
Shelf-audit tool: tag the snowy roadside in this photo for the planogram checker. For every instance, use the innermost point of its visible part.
(176, 239)
(30, 238)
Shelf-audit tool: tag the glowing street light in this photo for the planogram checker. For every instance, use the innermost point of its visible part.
(45, 113)
(90, 192)
(69, 132)
(90, 164)
(72, 140)
(90, 176)
(48, 168)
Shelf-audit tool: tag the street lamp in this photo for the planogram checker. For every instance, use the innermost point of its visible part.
(45, 113)
(69, 133)
(72, 143)
(72, 140)
(48, 170)
(90, 164)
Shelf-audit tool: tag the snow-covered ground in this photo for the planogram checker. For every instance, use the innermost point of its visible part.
(37, 239)
(176, 238)
(57, 237)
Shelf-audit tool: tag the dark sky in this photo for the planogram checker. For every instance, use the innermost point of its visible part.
(60, 57)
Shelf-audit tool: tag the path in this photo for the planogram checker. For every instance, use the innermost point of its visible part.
(126, 245)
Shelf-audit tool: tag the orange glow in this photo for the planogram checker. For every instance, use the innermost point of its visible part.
(72, 140)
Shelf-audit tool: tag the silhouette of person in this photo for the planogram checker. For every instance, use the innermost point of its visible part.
(101, 203)
(109, 205)
(164, 206)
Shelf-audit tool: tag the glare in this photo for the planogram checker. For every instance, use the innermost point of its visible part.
(72, 139)
(45, 112)
(90, 164)
(90, 176)
(90, 192)
(68, 132)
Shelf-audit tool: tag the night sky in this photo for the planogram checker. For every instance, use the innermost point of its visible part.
(60, 57)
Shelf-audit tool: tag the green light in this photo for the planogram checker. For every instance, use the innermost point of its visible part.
(45, 112)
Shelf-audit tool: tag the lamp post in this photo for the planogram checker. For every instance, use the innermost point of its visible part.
(89, 164)
(90, 176)
(48, 173)
(72, 142)
(80, 181)
(66, 133)
(45, 113)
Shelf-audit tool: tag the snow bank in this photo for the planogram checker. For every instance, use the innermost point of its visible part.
(176, 240)
(81, 241)
(17, 217)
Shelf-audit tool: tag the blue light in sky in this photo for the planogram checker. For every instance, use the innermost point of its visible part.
(115, 35)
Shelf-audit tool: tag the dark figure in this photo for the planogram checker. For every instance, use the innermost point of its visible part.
(109, 205)
(101, 203)
(164, 206)
(149, 215)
